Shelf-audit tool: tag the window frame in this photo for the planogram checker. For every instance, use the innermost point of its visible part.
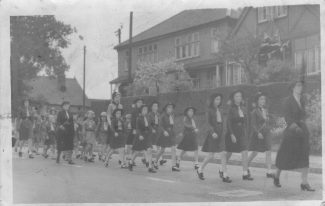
(186, 49)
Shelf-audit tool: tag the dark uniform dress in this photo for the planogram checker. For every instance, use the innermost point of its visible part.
(143, 129)
(166, 124)
(102, 132)
(110, 109)
(236, 125)
(189, 141)
(131, 136)
(154, 123)
(65, 136)
(260, 124)
(216, 123)
(26, 124)
(118, 141)
(294, 149)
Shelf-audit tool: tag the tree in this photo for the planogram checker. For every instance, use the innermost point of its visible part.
(244, 51)
(36, 43)
(165, 76)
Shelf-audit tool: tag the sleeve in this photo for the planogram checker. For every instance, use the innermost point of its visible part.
(113, 124)
(134, 119)
(229, 121)
(288, 113)
(211, 121)
(162, 123)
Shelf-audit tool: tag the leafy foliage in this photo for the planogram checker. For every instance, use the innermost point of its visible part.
(36, 43)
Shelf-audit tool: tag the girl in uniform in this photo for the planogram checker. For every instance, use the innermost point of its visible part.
(294, 149)
(215, 141)
(26, 128)
(189, 141)
(260, 132)
(117, 140)
(51, 128)
(128, 135)
(102, 135)
(154, 123)
(142, 142)
(167, 136)
(236, 137)
(89, 129)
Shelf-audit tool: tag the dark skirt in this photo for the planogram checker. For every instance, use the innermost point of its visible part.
(130, 137)
(294, 150)
(168, 141)
(140, 145)
(260, 145)
(109, 135)
(64, 140)
(118, 141)
(241, 139)
(51, 138)
(26, 129)
(189, 141)
(153, 137)
(214, 145)
(102, 137)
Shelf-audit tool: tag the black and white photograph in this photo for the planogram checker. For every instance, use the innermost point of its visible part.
(161, 102)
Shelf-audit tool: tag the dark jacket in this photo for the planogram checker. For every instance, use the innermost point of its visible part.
(293, 113)
(141, 127)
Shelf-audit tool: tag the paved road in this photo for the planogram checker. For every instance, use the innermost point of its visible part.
(43, 181)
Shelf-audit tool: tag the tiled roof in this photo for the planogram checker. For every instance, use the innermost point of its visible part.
(47, 87)
(181, 21)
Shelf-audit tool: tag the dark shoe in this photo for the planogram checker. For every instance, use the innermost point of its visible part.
(71, 162)
(175, 169)
(161, 162)
(248, 172)
(247, 177)
(119, 162)
(306, 187)
(124, 166)
(196, 166)
(130, 166)
(147, 164)
(91, 160)
(20, 154)
(226, 180)
(45, 156)
(106, 164)
(85, 159)
(269, 175)
(143, 160)
(200, 175)
(99, 157)
(78, 156)
(30, 156)
(221, 174)
(151, 170)
(155, 165)
(276, 182)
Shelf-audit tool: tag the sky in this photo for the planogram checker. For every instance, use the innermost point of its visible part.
(97, 21)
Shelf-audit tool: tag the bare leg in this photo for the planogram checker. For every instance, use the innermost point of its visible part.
(245, 160)
(251, 157)
(224, 156)
(304, 175)
(268, 160)
(228, 155)
(160, 153)
(196, 157)
(206, 161)
(122, 155)
(173, 150)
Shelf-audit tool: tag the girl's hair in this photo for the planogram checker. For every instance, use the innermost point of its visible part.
(213, 97)
(232, 101)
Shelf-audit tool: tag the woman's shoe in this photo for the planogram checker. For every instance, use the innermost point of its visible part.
(151, 170)
(30, 156)
(155, 165)
(119, 162)
(106, 164)
(196, 166)
(143, 160)
(226, 180)
(247, 177)
(306, 187)
(124, 166)
(276, 182)
(175, 169)
(130, 166)
(200, 175)
(162, 161)
(221, 174)
(269, 175)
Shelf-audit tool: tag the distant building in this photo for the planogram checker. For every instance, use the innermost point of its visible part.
(295, 29)
(53, 91)
(191, 37)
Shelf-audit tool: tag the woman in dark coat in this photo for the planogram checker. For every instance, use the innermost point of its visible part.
(189, 141)
(117, 139)
(215, 140)
(25, 128)
(236, 138)
(260, 139)
(167, 136)
(142, 142)
(294, 149)
(65, 132)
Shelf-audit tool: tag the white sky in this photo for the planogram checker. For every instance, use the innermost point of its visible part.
(97, 20)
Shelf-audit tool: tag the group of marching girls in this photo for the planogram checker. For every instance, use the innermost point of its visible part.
(236, 130)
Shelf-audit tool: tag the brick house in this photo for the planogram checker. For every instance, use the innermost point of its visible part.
(297, 26)
(192, 37)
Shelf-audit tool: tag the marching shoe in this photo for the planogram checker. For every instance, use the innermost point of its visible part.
(130, 166)
(226, 180)
(200, 175)
(106, 164)
(178, 161)
(175, 169)
(124, 166)
(221, 174)
(119, 162)
(247, 177)
(91, 160)
(144, 161)
(276, 182)
(78, 156)
(71, 162)
(306, 187)
(155, 165)
(30, 156)
(196, 166)
(45, 156)
(151, 170)
(162, 161)
(269, 175)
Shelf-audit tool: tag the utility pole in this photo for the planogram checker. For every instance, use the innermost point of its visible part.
(118, 34)
(130, 47)
(84, 82)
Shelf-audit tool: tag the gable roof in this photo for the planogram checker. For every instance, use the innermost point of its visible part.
(47, 87)
(181, 21)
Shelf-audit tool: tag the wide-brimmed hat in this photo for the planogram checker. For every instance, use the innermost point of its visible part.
(116, 110)
(65, 103)
(169, 104)
(188, 108)
(212, 98)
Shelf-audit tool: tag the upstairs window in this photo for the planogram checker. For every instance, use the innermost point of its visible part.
(215, 40)
(148, 53)
(187, 46)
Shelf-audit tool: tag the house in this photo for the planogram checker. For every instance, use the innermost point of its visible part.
(53, 91)
(294, 30)
(192, 37)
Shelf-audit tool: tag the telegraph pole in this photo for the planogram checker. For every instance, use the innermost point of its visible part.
(130, 47)
(84, 82)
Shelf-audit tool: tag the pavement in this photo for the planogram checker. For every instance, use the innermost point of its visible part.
(41, 180)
